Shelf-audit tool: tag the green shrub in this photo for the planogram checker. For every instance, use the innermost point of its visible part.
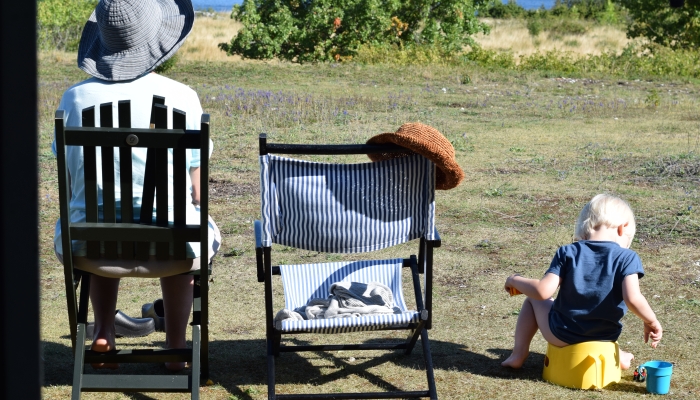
(534, 26)
(326, 30)
(60, 23)
(635, 61)
(497, 9)
(564, 26)
(490, 58)
(413, 55)
(658, 22)
(168, 64)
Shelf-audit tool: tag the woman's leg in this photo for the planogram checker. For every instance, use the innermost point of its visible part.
(103, 295)
(177, 304)
(533, 315)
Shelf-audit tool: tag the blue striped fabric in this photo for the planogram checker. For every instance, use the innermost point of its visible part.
(304, 282)
(346, 208)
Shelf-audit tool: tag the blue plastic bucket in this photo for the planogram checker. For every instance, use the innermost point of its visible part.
(658, 376)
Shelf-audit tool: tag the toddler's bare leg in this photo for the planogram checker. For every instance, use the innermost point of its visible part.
(534, 315)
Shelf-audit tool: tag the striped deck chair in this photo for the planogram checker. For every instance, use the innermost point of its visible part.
(346, 208)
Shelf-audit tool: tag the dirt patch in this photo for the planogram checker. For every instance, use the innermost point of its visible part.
(684, 167)
(453, 281)
(222, 189)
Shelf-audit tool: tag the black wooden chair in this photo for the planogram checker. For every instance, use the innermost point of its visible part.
(346, 208)
(105, 232)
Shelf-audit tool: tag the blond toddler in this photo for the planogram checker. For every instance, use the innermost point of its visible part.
(598, 280)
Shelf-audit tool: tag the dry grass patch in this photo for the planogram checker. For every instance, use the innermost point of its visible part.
(208, 31)
(512, 35)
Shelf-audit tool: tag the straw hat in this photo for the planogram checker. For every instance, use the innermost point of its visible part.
(428, 142)
(125, 39)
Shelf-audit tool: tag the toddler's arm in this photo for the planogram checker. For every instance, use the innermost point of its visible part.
(538, 289)
(638, 304)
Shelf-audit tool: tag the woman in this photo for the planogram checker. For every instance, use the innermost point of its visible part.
(122, 43)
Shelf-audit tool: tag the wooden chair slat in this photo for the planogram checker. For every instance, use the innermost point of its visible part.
(125, 178)
(149, 191)
(90, 171)
(179, 183)
(109, 210)
(159, 119)
(162, 249)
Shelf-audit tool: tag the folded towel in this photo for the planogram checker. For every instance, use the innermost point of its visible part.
(346, 300)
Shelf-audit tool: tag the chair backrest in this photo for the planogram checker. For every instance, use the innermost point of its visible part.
(346, 208)
(128, 234)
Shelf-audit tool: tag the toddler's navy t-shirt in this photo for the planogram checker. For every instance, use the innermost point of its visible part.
(589, 305)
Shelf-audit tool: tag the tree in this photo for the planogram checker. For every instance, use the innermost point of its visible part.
(60, 23)
(677, 28)
(323, 30)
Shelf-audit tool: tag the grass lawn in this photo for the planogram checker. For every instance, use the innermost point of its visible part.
(535, 149)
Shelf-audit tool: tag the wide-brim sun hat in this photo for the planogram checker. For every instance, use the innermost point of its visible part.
(428, 142)
(125, 39)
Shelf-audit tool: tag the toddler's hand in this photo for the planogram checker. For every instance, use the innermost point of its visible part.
(653, 331)
(509, 285)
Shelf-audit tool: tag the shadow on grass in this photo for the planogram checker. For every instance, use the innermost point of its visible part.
(240, 366)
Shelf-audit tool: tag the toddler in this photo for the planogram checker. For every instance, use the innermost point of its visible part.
(598, 279)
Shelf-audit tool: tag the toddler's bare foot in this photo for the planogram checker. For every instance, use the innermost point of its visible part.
(102, 345)
(515, 360)
(625, 359)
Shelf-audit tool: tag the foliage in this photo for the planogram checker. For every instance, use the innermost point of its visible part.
(601, 11)
(534, 26)
(411, 55)
(636, 61)
(658, 22)
(326, 30)
(60, 23)
(167, 64)
(497, 9)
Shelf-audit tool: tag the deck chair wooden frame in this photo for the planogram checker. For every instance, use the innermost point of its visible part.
(422, 265)
(134, 233)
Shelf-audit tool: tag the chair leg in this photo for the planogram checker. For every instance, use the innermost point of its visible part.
(78, 363)
(71, 298)
(270, 370)
(79, 346)
(276, 342)
(428, 364)
(196, 360)
(411, 340)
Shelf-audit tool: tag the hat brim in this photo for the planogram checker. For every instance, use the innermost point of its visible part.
(98, 61)
(428, 142)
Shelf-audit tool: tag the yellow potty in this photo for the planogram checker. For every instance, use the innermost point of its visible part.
(588, 365)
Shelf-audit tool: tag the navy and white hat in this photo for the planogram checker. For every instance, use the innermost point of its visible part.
(125, 39)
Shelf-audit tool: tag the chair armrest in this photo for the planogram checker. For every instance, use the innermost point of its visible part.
(257, 226)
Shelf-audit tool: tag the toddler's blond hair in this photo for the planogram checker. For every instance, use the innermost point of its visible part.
(603, 209)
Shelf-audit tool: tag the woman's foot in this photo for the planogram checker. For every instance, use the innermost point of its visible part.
(175, 366)
(515, 360)
(103, 345)
(179, 365)
(625, 359)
